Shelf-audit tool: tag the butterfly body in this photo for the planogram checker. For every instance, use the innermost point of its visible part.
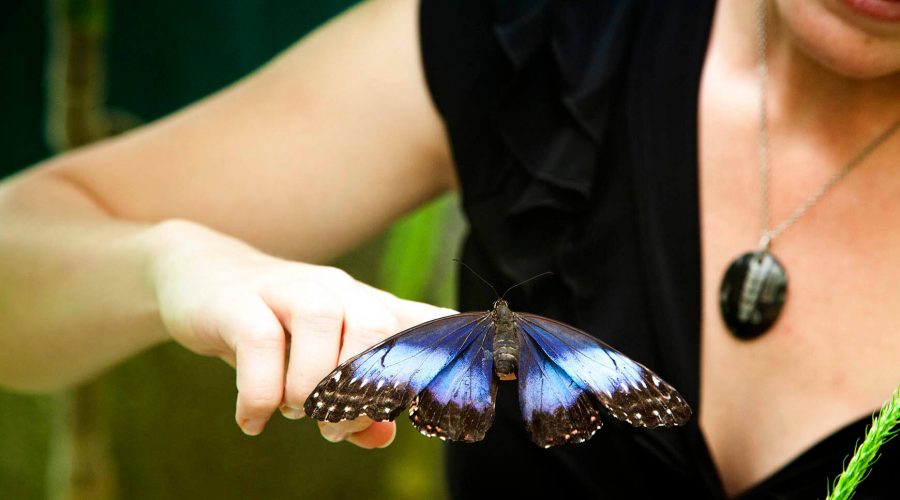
(446, 372)
(506, 341)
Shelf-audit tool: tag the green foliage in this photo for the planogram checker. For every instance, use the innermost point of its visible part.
(885, 427)
(25, 423)
(416, 253)
(91, 16)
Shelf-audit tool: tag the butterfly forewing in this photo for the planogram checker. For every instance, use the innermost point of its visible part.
(629, 390)
(382, 381)
(458, 404)
(555, 409)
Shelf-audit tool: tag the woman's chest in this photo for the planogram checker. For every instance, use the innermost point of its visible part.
(833, 355)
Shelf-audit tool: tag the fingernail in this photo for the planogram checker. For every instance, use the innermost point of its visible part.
(391, 440)
(291, 412)
(364, 443)
(333, 433)
(368, 438)
(252, 427)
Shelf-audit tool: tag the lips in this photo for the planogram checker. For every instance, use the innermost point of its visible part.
(881, 10)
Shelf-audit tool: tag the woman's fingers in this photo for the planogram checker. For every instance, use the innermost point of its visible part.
(339, 431)
(219, 297)
(329, 324)
(366, 322)
(362, 432)
(408, 313)
(315, 319)
(258, 340)
(377, 435)
(320, 315)
(371, 316)
(329, 321)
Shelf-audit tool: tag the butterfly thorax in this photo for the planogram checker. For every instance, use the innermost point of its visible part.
(506, 341)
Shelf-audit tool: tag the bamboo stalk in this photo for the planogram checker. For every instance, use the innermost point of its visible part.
(81, 463)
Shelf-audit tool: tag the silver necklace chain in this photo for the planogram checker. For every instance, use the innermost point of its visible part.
(770, 233)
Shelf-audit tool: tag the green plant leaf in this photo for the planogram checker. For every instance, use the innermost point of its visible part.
(885, 427)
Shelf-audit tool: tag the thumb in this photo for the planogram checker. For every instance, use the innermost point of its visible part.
(362, 432)
(377, 435)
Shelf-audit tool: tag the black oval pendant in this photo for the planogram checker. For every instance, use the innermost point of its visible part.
(752, 294)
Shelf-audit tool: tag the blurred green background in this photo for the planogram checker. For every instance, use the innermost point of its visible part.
(161, 425)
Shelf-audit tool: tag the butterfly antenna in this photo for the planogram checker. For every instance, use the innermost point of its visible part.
(486, 282)
(545, 273)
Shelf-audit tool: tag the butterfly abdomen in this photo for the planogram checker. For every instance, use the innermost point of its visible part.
(506, 342)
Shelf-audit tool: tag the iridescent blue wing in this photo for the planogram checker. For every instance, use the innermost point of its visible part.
(628, 389)
(555, 409)
(458, 404)
(382, 381)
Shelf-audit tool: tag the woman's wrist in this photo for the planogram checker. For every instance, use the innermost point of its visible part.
(76, 298)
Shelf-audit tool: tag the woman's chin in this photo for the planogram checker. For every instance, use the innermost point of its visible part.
(844, 40)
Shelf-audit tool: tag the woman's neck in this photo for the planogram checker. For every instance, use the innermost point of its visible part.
(803, 90)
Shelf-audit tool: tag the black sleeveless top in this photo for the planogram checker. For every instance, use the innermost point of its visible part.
(573, 127)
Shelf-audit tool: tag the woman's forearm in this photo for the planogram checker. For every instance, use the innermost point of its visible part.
(75, 292)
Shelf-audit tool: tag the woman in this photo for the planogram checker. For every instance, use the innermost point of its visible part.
(602, 140)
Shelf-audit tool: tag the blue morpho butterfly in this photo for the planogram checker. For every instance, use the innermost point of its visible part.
(446, 372)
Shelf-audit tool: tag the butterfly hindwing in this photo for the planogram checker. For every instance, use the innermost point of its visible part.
(458, 404)
(555, 409)
(382, 381)
(629, 390)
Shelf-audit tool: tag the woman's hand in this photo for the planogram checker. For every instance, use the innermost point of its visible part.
(283, 325)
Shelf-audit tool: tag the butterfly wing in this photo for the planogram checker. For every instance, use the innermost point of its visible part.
(628, 389)
(382, 381)
(458, 404)
(555, 409)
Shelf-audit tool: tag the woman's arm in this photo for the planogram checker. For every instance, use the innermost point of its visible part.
(310, 155)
